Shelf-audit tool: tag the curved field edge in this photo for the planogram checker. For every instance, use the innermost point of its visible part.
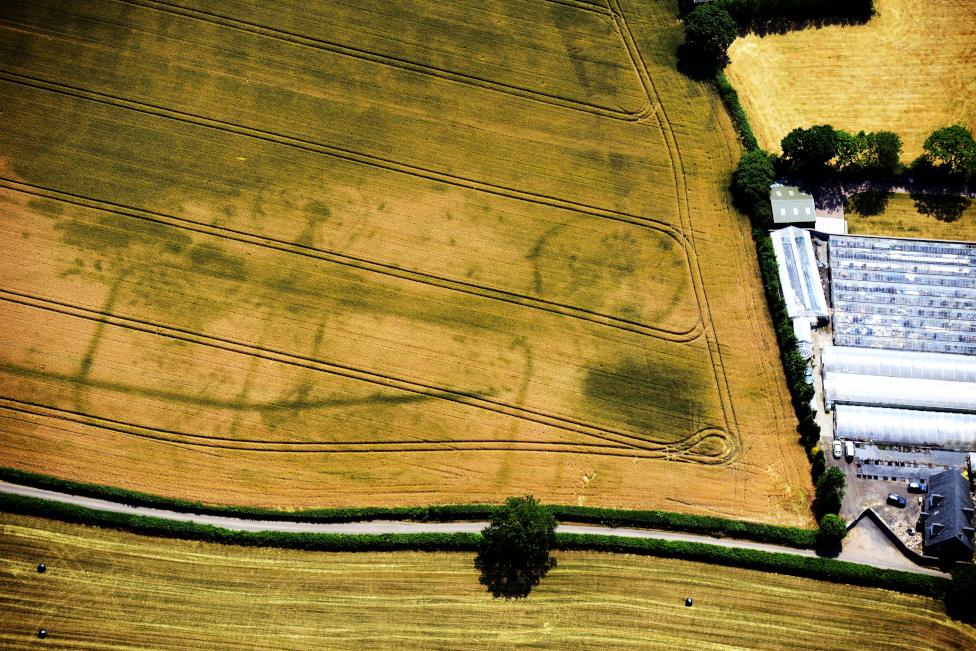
(116, 591)
(651, 519)
(824, 569)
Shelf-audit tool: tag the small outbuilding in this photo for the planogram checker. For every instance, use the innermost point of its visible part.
(791, 206)
(947, 516)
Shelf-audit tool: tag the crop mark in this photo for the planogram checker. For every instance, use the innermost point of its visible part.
(684, 211)
(350, 155)
(557, 421)
(363, 264)
(397, 62)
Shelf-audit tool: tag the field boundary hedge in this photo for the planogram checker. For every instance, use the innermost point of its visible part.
(664, 520)
(810, 567)
(822, 569)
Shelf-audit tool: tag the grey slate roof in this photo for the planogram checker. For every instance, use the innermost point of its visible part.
(948, 513)
(790, 205)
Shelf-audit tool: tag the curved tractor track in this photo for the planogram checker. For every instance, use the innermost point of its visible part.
(612, 441)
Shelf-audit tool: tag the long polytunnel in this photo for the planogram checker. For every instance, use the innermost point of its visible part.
(905, 427)
(871, 390)
(896, 363)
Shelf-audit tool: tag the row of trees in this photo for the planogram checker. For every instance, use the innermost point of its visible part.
(710, 28)
(949, 154)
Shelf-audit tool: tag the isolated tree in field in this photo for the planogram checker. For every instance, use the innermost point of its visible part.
(830, 492)
(709, 31)
(808, 151)
(959, 598)
(514, 552)
(952, 149)
(750, 185)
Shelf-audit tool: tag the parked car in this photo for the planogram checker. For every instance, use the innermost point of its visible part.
(838, 449)
(808, 375)
(897, 500)
(917, 486)
(849, 451)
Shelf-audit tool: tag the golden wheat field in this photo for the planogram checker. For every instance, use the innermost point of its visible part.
(901, 218)
(114, 590)
(911, 69)
(373, 253)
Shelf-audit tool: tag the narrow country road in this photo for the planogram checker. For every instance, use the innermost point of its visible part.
(394, 526)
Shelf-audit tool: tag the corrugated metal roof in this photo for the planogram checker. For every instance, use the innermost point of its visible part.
(798, 274)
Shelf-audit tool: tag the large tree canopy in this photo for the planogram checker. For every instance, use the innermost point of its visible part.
(953, 149)
(514, 553)
(830, 492)
(808, 151)
(750, 185)
(709, 31)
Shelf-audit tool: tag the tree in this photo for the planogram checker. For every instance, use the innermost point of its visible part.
(513, 556)
(709, 31)
(952, 149)
(830, 492)
(808, 151)
(818, 465)
(750, 185)
(959, 602)
(885, 153)
(830, 534)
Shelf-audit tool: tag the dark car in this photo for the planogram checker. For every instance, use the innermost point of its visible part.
(897, 500)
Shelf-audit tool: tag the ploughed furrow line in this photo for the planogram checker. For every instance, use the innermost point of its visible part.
(346, 154)
(15, 406)
(363, 264)
(684, 212)
(401, 63)
(566, 423)
(173, 437)
(582, 5)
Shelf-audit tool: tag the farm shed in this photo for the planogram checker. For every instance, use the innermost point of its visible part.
(798, 275)
(871, 390)
(903, 294)
(791, 206)
(948, 516)
(896, 363)
(906, 427)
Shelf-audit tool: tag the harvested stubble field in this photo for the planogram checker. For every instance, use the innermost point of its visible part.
(116, 590)
(377, 254)
(911, 69)
(901, 218)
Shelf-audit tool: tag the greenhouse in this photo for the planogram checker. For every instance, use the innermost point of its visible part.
(902, 294)
(896, 363)
(870, 390)
(798, 274)
(906, 428)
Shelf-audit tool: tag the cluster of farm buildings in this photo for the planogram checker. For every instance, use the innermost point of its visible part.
(888, 326)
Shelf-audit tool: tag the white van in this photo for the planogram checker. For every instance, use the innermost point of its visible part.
(849, 451)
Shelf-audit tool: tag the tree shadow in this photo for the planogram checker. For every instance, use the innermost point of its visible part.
(692, 65)
(868, 203)
(945, 208)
